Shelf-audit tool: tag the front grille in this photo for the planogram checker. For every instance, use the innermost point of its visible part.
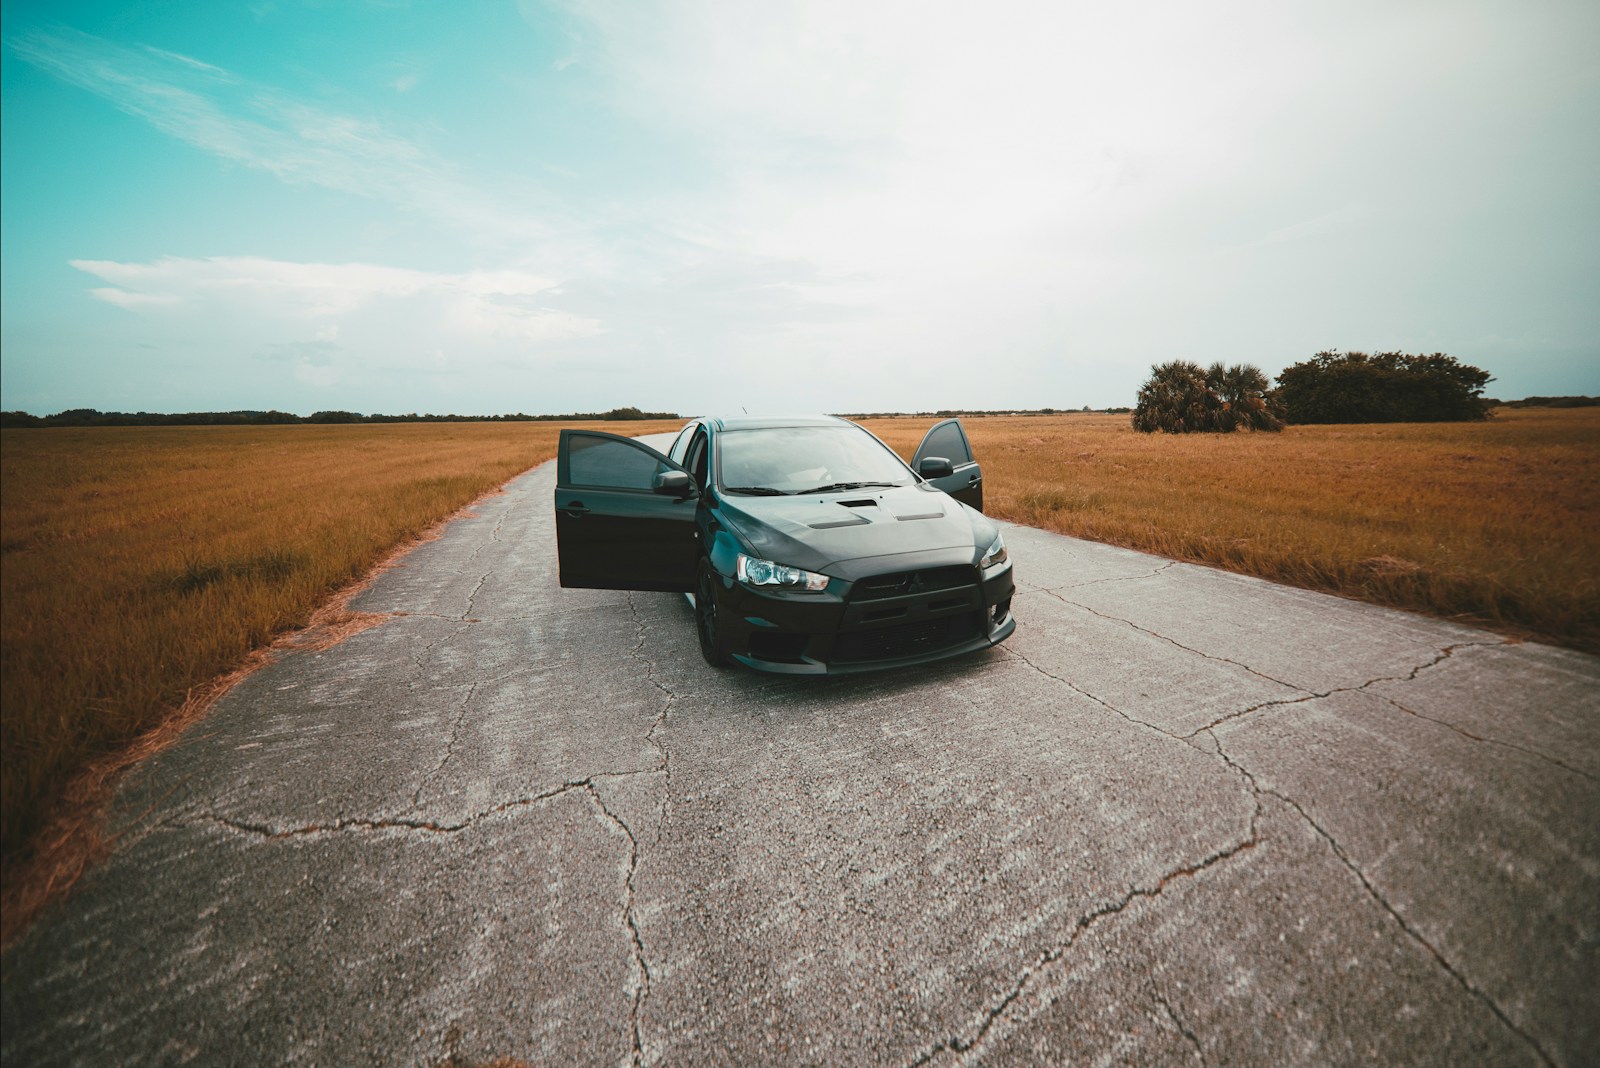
(900, 583)
(906, 639)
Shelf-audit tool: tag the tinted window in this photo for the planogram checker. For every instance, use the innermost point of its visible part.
(680, 444)
(603, 462)
(947, 441)
(697, 460)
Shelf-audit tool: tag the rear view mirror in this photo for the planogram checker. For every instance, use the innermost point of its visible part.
(674, 483)
(934, 467)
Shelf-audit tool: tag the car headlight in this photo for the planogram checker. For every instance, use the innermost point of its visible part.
(755, 571)
(995, 554)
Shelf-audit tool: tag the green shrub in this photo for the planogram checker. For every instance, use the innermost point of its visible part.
(1390, 387)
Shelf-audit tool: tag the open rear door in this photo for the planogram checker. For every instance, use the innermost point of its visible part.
(615, 530)
(949, 441)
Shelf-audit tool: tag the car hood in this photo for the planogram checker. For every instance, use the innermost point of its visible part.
(819, 530)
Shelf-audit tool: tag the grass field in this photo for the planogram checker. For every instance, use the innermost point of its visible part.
(1495, 523)
(141, 562)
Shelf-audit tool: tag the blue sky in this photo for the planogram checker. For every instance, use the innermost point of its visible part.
(698, 206)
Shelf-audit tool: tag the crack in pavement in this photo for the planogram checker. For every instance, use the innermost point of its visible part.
(1443, 655)
(588, 785)
(1099, 581)
(1282, 701)
(957, 1044)
(494, 536)
(455, 728)
(385, 823)
(1416, 935)
(1490, 741)
(1377, 896)
(660, 722)
(1012, 654)
(429, 647)
(641, 990)
(472, 598)
(450, 746)
(1177, 1021)
(1173, 641)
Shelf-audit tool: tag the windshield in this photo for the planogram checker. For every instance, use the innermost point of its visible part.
(806, 459)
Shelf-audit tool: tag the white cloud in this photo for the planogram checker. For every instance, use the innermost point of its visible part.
(124, 298)
(264, 128)
(961, 178)
(877, 131)
(189, 61)
(349, 312)
(504, 303)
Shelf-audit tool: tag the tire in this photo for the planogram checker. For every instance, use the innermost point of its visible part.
(707, 622)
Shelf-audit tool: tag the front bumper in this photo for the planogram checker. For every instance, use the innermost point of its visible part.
(887, 620)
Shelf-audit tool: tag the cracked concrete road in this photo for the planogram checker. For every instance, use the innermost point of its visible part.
(1182, 817)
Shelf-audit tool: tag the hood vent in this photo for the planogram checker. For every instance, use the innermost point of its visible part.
(928, 507)
(859, 504)
(833, 516)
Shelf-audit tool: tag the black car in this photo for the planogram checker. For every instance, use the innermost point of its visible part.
(806, 544)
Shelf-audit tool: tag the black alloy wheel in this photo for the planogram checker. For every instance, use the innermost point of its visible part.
(713, 645)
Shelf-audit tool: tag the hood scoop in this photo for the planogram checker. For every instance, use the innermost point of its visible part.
(835, 516)
(858, 504)
(921, 511)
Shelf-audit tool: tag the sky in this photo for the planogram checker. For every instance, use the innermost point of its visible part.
(789, 205)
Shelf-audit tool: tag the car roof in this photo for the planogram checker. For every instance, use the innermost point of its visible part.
(769, 422)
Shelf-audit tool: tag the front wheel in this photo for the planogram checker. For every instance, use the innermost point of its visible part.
(707, 612)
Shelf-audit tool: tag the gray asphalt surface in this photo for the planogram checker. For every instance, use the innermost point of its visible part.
(1182, 817)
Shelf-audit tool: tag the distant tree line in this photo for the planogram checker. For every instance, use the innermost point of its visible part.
(1547, 402)
(1331, 387)
(94, 417)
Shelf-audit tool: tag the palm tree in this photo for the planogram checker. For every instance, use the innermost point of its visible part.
(1176, 400)
(1242, 388)
(1181, 397)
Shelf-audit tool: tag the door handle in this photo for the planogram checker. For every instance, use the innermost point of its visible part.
(575, 509)
(974, 480)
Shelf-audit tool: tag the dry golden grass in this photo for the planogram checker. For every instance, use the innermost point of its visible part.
(1495, 523)
(142, 563)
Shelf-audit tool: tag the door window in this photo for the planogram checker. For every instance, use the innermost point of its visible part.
(698, 460)
(947, 440)
(610, 463)
(680, 444)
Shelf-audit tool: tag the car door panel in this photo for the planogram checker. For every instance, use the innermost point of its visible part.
(949, 440)
(613, 531)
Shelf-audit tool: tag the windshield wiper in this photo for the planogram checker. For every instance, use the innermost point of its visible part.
(759, 491)
(832, 486)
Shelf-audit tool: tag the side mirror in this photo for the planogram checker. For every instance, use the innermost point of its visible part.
(934, 467)
(674, 484)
